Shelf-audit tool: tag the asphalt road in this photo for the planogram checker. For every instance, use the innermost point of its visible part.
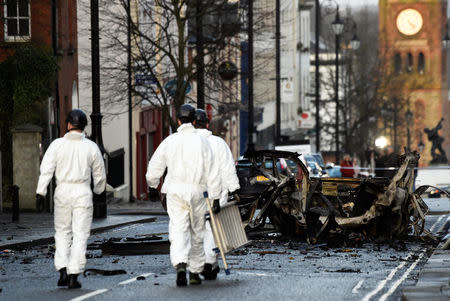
(269, 268)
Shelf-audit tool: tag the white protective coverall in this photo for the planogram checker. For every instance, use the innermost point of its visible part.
(191, 170)
(229, 183)
(73, 159)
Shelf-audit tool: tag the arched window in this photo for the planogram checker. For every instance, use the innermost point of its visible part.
(398, 63)
(421, 63)
(409, 63)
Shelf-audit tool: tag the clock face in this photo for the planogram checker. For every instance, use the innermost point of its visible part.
(409, 21)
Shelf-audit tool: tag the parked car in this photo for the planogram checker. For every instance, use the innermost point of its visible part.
(313, 165)
(333, 171)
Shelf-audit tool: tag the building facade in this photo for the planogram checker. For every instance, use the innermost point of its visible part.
(410, 46)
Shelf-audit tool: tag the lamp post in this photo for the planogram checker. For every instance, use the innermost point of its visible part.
(317, 74)
(409, 117)
(338, 27)
(250, 129)
(99, 200)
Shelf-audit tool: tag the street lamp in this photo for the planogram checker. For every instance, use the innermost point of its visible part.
(409, 117)
(99, 200)
(421, 145)
(338, 27)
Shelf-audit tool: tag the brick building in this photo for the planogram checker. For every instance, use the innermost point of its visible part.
(410, 43)
(49, 23)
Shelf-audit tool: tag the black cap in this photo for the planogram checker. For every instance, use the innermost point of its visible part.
(186, 113)
(201, 116)
(77, 118)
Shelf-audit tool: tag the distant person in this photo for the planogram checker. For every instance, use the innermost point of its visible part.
(347, 170)
(391, 162)
(74, 160)
(379, 163)
(356, 168)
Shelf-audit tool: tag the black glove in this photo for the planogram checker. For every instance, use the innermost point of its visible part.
(40, 202)
(234, 197)
(153, 194)
(216, 206)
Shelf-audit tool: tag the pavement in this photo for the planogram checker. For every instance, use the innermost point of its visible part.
(34, 228)
(37, 228)
(434, 279)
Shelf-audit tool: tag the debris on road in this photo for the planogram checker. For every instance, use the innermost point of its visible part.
(88, 272)
(135, 246)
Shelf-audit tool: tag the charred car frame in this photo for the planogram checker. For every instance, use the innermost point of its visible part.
(276, 185)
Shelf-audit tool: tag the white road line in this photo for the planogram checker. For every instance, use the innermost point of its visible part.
(392, 273)
(91, 294)
(255, 274)
(435, 224)
(383, 282)
(355, 290)
(399, 281)
(134, 279)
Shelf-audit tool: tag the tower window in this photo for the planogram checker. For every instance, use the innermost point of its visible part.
(421, 63)
(409, 63)
(397, 63)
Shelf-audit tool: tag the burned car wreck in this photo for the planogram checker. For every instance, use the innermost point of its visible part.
(275, 185)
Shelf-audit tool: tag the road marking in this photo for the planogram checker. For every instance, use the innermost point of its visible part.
(392, 273)
(399, 281)
(91, 294)
(134, 279)
(357, 287)
(255, 274)
(435, 224)
(384, 281)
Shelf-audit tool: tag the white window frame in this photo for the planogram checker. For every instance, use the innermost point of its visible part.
(18, 18)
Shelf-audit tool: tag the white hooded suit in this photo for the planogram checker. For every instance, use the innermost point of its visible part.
(191, 171)
(73, 159)
(229, 183)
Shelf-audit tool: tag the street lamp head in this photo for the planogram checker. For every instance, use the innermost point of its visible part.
(381, 142)
(421, 146)
(355, 42)
(337, 25)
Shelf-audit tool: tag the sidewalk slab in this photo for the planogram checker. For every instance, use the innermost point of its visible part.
(37, 228)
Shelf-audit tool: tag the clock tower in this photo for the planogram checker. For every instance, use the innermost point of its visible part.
(410, 34)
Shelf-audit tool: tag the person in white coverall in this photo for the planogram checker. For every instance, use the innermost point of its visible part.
(191, 170)
(229, 184)
(73, 159)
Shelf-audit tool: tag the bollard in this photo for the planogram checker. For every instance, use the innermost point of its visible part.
(15, 202)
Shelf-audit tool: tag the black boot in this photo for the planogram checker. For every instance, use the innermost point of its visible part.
(73, 282)
(181, 274)
(63, 281)
(194, 279)
(210, 273)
